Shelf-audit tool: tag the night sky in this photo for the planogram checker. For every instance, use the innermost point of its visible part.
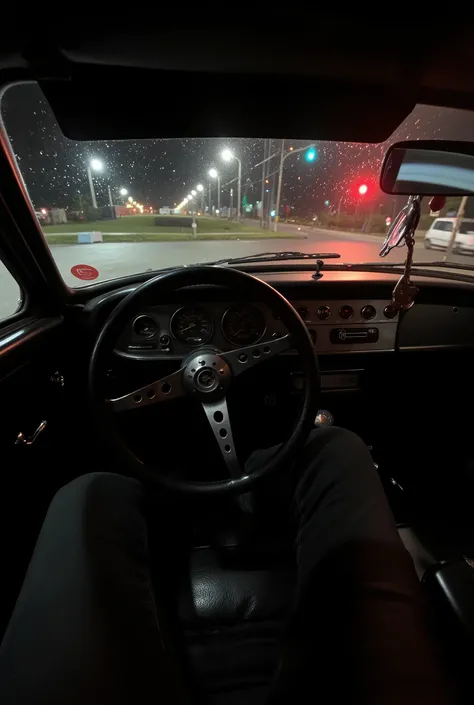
(162, 172)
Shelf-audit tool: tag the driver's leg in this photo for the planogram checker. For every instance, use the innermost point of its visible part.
(85, 627)
(359, 630)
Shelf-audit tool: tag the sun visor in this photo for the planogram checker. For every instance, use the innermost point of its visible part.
(101, 102)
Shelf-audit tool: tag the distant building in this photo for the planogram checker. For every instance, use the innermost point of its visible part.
(166, 210)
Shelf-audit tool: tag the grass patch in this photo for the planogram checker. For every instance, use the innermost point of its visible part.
(145, 224)
(140, 228)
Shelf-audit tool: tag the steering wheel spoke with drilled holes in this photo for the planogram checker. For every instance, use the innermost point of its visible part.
(205, 376)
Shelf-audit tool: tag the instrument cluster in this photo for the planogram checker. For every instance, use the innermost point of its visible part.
(338, 326)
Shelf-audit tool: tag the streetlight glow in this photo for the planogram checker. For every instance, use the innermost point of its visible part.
(227, 155)
(123, 191)
(130, 199)
(193, 193)
(213, 173)
(190, 198)
(96, 164)
(200, 188)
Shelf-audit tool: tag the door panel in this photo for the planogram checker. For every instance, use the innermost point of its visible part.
(30, 392)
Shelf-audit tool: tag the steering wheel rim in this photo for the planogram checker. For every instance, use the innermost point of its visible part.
(156, 289)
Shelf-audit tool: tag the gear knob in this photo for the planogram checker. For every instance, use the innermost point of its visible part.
(324, 418)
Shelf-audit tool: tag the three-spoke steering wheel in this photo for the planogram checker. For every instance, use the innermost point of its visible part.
(205, 375)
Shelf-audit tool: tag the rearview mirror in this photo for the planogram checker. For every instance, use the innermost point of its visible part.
(429, 168)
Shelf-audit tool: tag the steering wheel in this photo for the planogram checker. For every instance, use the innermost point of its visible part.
(205, 375)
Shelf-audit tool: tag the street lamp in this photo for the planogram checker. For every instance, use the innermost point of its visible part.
(123, 191)
(214, 174)
(227, 155)
(311, 155)
(193, 193)
(96, 165)
(200, 188)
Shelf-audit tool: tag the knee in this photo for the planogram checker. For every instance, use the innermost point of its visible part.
(95, 497)
(339, 454)
(334, 437)
(96, 485)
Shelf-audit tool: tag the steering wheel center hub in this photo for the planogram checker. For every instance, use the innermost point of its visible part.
(206, 375)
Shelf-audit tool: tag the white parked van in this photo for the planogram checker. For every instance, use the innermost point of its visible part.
(439, 235)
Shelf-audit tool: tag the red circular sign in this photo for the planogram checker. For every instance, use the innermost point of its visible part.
(84, 271)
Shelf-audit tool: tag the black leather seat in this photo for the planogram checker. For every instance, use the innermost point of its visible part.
(233, 613)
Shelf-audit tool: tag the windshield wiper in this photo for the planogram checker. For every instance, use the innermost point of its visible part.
(276, 257)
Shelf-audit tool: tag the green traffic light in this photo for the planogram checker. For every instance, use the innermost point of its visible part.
(311, 154)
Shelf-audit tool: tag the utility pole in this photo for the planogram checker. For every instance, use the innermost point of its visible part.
(270, 190)
(338, 211)
(231, 204)
(111, 203)
(210, 209)
(239, 191)
(456, 226)
(280, 179)
(264, 173)
(219, 192)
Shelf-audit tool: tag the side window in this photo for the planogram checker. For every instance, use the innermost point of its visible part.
(10, 293)
(446, 226)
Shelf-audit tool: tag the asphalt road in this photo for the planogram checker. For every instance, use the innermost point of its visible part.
(118, 259)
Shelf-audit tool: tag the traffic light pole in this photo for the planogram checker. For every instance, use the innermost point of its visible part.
(280, 177)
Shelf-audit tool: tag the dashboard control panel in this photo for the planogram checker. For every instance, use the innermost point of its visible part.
(174, 330)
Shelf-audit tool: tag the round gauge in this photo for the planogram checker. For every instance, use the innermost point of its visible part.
(145, 327)
(243, 325)
(191, 326)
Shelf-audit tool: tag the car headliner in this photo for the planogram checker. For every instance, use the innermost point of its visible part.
(305, 75)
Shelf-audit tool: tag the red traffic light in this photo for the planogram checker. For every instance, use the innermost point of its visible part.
(363, 188)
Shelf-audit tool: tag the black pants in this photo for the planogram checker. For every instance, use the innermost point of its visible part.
(86, 628)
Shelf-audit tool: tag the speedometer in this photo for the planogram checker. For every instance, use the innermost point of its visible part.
(243, 325)
(191, 326)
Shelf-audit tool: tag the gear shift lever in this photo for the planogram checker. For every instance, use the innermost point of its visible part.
(324, 418)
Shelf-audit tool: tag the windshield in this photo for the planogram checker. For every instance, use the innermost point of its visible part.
(109, 209)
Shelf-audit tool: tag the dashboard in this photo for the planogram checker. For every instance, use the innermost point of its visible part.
(335, 326)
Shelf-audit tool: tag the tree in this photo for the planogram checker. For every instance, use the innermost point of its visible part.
(81, 201)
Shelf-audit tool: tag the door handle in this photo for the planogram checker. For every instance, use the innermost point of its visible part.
(24, 441)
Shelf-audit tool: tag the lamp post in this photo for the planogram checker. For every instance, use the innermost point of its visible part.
(96, 165)
(214, 174)
(227, 155)
(200, 189)
(311, 156)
